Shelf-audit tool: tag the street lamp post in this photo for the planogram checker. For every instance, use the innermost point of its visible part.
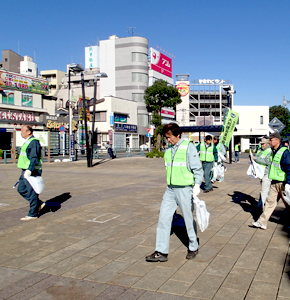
(97, 78)
(71, 68)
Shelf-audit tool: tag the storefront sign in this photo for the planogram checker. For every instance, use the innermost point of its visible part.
(24, 83)
(56, 125)
(161, 63)
(125, 127)
(211, 81)
(183, 88)
(120, 118)
(42, 136)
(167, 112)
(16, 116)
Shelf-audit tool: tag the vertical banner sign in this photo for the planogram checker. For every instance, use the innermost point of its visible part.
(72, 146)
(111, 118)
(229, 127)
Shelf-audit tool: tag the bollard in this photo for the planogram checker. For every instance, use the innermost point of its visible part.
(98, 154)
(5, 156)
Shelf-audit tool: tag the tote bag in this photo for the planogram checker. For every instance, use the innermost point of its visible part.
(36, 183)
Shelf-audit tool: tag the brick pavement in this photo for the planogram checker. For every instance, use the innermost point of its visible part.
(100, 223)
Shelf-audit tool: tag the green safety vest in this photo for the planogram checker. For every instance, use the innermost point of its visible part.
(276, 172)
(237, 148)
(264, 154)
(206, 154)
(23, 161)
(177, 172)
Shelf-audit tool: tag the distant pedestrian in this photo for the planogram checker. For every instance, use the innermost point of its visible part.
(30, 162)
(237, 152)
(184, 176)
(207, 155)
(110, 150)
(279, 173)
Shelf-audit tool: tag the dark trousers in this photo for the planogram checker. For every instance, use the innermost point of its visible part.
(237, 155)
(207, 166)
(28, 193)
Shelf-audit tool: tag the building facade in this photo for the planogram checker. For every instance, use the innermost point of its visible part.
(54, 78)
(11, 61)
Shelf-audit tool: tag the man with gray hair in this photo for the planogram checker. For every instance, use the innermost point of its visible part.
(262, 158)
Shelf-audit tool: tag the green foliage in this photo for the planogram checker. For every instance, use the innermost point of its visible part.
(155, 153)
(247, 151)
(160, 94)
(1, 153)
(283, 114)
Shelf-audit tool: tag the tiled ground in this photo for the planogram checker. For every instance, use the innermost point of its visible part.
(100, 223)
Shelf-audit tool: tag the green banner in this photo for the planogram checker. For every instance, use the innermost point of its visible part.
(230, 122)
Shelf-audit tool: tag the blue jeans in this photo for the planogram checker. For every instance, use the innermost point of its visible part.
(207, 166)
(237, 156)
(28, 193)
(181, 196)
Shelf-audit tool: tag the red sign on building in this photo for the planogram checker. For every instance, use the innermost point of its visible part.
(161, 63)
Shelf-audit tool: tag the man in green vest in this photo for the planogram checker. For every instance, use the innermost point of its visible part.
(222, 153)
(184, 176)
(279, 173)
(29, 161)
(237, 152)
(207, 155)
(262, 157)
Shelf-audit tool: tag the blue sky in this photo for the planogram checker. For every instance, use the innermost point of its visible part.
(245, 41)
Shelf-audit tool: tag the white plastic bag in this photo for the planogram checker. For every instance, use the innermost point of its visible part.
(202, 215)
(221, 157)
(36, 183)
(286, 197)
(255, 170)
(218, 170)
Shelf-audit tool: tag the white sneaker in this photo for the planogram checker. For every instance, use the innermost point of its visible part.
(259, 225)
(28, 218)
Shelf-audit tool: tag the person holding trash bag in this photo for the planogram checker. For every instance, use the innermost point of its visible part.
(221, 153)
(262, 157)
(279, 173)
(29, 161)
(184, 175)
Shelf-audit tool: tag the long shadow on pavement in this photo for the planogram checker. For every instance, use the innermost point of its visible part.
(54, 204)
(247, 202)
(101, 161)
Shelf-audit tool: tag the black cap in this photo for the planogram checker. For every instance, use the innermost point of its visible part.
(275, 135)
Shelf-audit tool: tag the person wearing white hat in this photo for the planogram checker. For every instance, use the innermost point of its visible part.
(262, 158)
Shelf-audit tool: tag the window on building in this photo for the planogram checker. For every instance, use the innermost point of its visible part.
(143, 120)
(8, 97)
(139, 77)
(6, 59)
(26, 99)
(139, 57)
(29, 70)
(101, 116)
(105, 137)
(139, 97)
(261, 120)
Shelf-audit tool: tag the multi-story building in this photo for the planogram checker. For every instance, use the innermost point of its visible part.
(54, 78)
(204, 101)
(22, 101)
(11, 61)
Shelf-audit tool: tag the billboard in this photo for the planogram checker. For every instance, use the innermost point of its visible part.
(167, 112)
(92, 57)
(160, 62)
(16, 81)
(183, 88)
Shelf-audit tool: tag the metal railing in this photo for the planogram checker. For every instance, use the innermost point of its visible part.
(80, 154)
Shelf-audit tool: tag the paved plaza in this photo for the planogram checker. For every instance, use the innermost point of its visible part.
(100, 223)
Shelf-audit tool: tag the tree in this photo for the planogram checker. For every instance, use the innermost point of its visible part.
(160, 94)
(283, 114)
